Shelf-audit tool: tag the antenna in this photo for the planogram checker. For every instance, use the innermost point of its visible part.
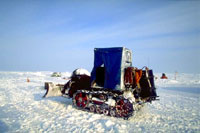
(148, 62)
(176, 73)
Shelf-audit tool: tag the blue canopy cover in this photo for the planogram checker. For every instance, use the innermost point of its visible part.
(114, 60)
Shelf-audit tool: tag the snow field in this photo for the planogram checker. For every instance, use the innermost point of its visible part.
(22, 108)
(182, 80)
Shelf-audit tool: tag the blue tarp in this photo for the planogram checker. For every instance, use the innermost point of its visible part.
(112, 60)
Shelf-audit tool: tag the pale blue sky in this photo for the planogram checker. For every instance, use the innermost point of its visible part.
(60, 35)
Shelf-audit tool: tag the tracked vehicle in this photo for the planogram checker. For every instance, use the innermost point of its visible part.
(115, 87)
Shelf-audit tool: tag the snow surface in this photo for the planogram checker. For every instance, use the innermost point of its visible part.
(180, 80)
(22, 108)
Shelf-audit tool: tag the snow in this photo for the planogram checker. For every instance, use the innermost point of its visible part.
(180, 80)
(22, 108)
(81, 71)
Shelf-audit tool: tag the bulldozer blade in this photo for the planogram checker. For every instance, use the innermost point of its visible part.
(52, 89)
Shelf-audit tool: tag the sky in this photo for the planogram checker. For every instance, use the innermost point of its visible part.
(60, 35)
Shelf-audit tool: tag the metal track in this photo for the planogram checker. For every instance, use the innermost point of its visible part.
(103, 102)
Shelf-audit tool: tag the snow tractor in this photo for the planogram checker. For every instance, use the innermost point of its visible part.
(114, 88)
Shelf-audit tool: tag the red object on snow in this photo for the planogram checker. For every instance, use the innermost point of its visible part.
(164, 76)
(27, 80)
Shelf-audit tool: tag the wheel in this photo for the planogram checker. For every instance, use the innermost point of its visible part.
(124, 107)
(92, 108)
(80, 100)
(98, 110)
(112, 112)
(105, 111)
